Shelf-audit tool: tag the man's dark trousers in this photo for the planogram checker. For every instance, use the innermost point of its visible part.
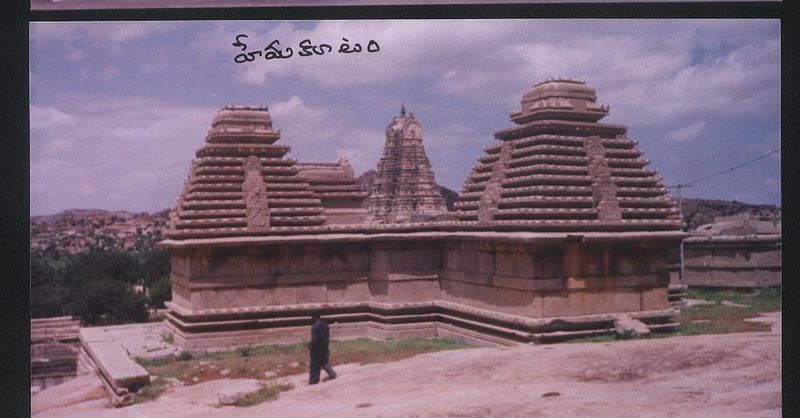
(319, 360)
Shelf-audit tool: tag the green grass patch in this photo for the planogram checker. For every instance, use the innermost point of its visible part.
(595, 339)
(151, 391)
(716, 318)
(760, 300)
(266, 393)
(284, 360)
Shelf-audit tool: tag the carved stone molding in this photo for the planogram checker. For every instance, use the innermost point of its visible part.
(604, 190)
(254, 192)
(491, 195)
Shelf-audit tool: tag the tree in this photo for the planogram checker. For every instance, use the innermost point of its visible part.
(153, 265)
(42, 272)
(48, 300)
(105, 302)
(100, 266)
(160, 292)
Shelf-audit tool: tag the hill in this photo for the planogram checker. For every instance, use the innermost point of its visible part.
(703, 211)
(75, 231)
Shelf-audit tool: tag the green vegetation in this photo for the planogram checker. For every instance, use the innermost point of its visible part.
(761, 300)
(267, 392)
(722, 319)
(716, 318)
(99, 286)
(151, 391)
(272, 361)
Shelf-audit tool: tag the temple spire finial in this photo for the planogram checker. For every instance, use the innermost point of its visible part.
(403, 109)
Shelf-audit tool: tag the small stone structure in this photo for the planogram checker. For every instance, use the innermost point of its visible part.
(560, 229)
(739, 251)
(405, 189)
(335, 184)
(54, 351)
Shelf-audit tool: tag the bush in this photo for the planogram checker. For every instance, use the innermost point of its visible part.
(101, 266)
(48, 300)
(153, 266)
(160, 292)
(106, 302)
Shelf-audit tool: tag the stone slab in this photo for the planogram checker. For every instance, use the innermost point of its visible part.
(116, 365)
(626, 326)
(93, 335)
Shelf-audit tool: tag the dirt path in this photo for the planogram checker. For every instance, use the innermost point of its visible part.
(701, 376)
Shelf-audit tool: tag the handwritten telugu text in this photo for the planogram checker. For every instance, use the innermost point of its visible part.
(305, 48)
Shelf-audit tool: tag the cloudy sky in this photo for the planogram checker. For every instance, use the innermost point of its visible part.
(118, 108)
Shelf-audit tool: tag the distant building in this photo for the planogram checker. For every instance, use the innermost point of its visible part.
(741, 251)
(405, 188)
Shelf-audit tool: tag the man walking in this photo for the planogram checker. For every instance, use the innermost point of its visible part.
(318, 349)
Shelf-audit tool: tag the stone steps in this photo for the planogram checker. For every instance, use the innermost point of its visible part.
(120, 374)
(487, 325)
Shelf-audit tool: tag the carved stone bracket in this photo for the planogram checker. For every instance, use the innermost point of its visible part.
(254, 193)
(604, 190)
(491, 195)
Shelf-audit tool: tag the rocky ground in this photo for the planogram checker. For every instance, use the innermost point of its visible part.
(700, 376)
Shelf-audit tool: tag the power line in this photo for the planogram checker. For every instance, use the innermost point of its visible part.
(698, 180)
(680, 186)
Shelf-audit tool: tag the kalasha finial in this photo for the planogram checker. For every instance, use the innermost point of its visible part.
(403, 109)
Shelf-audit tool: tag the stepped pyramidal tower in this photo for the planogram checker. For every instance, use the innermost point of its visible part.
(405, 189)
(559, 169)
(242, 184)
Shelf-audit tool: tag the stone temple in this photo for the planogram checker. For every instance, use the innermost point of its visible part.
(405, 189)
(560, 231)
(737, 252)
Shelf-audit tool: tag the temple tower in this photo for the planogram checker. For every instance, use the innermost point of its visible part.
(342, 197)
(242, 184)
(405, 189)
(560, 169)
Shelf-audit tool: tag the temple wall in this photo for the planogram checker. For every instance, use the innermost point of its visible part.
(528, 279)
(735, 263)
(555, 280)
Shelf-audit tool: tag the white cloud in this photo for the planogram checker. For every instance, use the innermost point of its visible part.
(107, 73)
(648, 71)
(686, 133)
(75, 55)
(49, 117)
(129, 153)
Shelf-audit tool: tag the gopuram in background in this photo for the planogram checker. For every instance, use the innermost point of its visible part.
(561, 232)
(741, 251)
(405, 189)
